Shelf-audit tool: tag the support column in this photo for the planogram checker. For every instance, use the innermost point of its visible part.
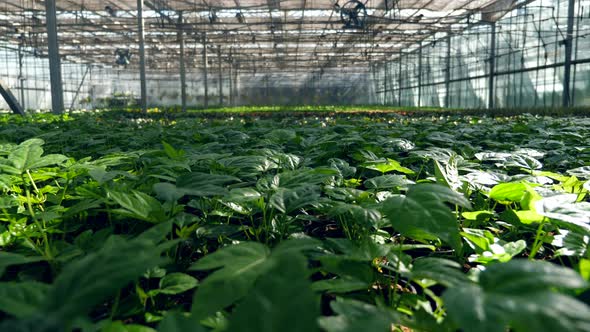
(205, 70)
(420, 75)
(237, 85)
(220, 82)
(385, 78)
(492, 67)
(266, 93)
(231, 67)
(399, 91)
(142, 77)
(180, 33)
(448, 73)
(567, 68)
(21, 78)
(57, 94)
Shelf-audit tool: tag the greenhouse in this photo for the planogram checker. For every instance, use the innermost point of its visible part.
(294, 165)
(460, 54)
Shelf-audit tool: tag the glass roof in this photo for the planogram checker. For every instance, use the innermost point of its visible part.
(257, 35)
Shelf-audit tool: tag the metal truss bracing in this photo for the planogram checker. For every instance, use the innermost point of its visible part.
(252, 35)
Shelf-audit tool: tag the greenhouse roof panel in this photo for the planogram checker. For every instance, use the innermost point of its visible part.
(266, 34)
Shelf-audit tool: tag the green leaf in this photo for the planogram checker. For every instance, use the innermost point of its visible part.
(356, 214)
(519, 294)
(88, 281)
(243, 195)
(100, 175)
(580, 172)
(9, 259)
(28, 156)
(571, 243)
(296, 245)
(204, 184)
(287, 200)
(356, 316)
(388, 181)
(22, 299)
(584, 267)
(423, 215)
(447, 175)
(266, 308)
(528, 216)
(120, 327)
(36, 323)
(175, 283)
(523, 161)
(171, 152)
(522, 276)
(303, 177)
(5, 181)
(481, 215)
(474, 309)
(158, 232)
(389, 165)
(443, 271)
(137, 204)
(168, 191)
(340, 285)
(508, 192)
(565, 209)
(239, 267)
(179, 322)
(343, 167)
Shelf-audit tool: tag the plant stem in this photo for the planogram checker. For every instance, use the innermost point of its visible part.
(538, 242)
(47, 252)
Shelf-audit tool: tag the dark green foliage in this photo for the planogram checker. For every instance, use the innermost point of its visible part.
(338, 223)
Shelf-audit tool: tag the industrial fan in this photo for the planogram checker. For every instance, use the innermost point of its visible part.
(122, 56)
(353, 14)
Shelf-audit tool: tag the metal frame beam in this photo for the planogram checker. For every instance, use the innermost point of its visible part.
(567, 69)
(142, 76)
(57, 94)
(21, 77)
(180, 34)
(205, 71)
(420, 75)
(448, 73)
(492, 67)
(400, 78)
(385, 78)
(220, 81)
(79, 87)
(230, 74)
(10, 99)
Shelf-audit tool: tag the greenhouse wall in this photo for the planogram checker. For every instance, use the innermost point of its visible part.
(89, 87)
(529, 62)
(444, 70)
